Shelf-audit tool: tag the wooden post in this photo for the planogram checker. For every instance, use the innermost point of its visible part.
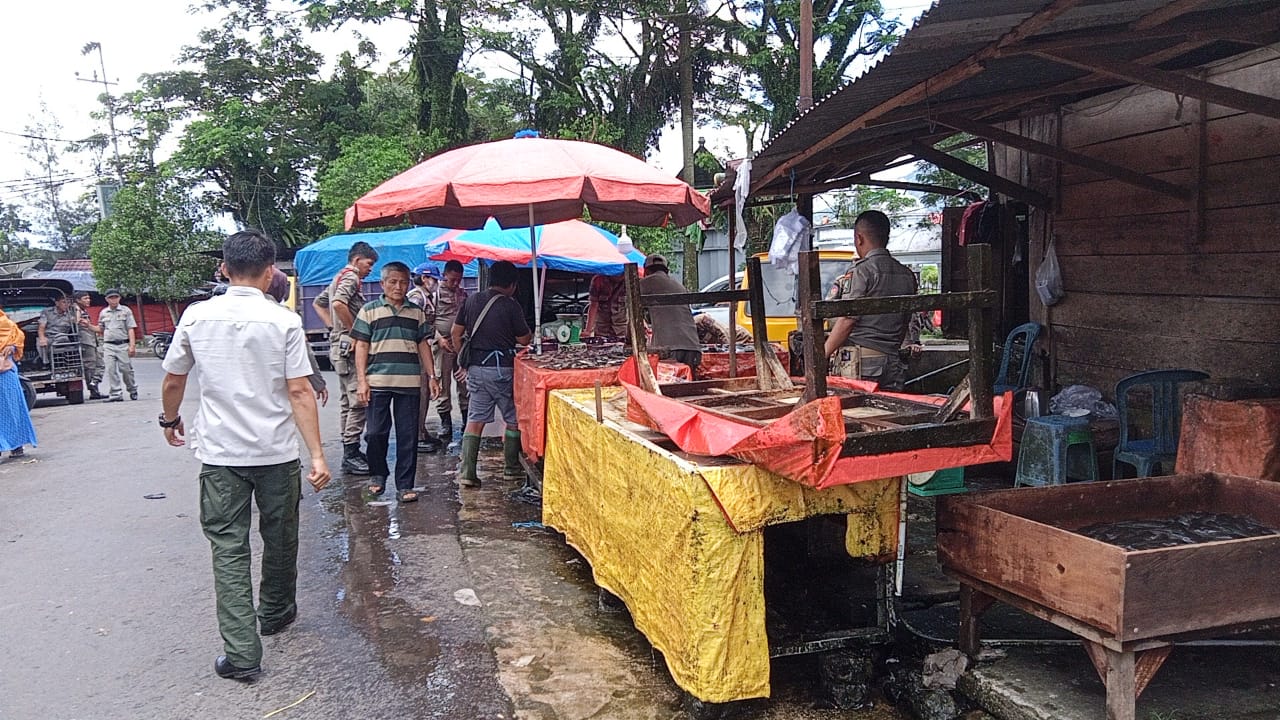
(978, 260)
(635, 330)
(733, 305)
(972, 604)
(813, 340)
(770, 375)
(1122, 695)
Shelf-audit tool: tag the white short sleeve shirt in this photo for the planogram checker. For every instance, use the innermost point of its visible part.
(244, 348)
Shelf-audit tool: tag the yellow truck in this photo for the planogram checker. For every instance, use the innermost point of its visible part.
(779, 292)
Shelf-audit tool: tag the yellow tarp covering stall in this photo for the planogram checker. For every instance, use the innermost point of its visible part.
(679, 539)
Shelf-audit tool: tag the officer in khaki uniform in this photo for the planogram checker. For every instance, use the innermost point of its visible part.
(423, 294)
(90, 345)
(119, 334)
(866, 348)
(449, 299)
(337, 307)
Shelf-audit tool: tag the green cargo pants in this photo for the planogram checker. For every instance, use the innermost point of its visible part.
(225, 516)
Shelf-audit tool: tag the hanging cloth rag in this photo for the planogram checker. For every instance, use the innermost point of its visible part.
(741, 187)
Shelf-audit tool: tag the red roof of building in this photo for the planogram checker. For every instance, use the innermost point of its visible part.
(81, 264)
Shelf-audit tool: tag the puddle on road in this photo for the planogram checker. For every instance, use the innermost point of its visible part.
(394, 560)
(365, 533)
(539, 599)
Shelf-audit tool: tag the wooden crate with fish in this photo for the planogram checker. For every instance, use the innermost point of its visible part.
(1209, 545)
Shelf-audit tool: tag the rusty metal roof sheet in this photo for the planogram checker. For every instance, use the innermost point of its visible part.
(868, 123)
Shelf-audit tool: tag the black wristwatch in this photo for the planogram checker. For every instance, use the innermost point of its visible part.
(169, 423)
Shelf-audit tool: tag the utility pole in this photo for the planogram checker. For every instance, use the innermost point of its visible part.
(690, 275)
(89, 47)
(806, 56)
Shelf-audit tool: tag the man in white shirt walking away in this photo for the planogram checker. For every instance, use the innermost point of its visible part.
(254, 399)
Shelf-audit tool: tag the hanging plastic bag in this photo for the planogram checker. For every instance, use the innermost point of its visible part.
(1049, 278)
(789, 235)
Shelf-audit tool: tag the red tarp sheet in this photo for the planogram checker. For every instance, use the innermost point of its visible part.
(805, 444)
(1230, 437)
(533, 385)
(715, 365)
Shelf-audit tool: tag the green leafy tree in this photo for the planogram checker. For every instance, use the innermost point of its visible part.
(606, 72)
(261, 119)
(56, 218)
(437, 45)
(848, 204)
(967, 149)
(13, 246)
(151, 243)
(497, 108)
(765, 37)
(363, 163)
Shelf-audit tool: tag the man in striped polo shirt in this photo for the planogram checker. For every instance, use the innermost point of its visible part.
(392, 356)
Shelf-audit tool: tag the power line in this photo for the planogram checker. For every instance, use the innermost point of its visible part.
(30, 179)
(29, 136)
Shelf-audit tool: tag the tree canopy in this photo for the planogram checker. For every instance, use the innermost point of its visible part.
(152, 242)
(267, 131)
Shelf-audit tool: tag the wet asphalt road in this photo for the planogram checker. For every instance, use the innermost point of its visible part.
(106, 602)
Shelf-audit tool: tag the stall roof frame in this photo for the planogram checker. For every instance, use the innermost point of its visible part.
(983, 63)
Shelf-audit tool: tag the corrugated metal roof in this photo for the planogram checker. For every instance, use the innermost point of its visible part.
(958, 34)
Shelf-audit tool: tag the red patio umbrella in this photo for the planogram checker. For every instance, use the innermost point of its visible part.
(508, 179)
(526, 181)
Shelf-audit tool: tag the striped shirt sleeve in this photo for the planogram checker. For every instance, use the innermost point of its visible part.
(363, 329)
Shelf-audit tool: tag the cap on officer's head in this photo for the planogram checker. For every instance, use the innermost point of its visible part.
(429, 271)
(111, 293)
(655, 260)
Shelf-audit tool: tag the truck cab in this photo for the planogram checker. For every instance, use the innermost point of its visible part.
(59, 370)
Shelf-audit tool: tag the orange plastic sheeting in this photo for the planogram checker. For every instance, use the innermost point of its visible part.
(715, 365)
(533, 384)
(805, 444)
(1230, 437)
(653, 525)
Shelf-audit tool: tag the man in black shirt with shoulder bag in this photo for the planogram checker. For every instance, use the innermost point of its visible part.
(493, 324)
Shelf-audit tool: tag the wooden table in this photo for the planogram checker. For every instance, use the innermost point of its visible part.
(681, 538)
(1128, 607)
(533, 384)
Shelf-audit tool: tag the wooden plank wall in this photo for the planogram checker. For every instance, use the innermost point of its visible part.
(1145, 290)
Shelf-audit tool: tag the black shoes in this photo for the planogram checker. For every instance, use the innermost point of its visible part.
(133, 394)
(279, 626)
(428, 444)
(223, 667)
(353, 462)
(446, 428)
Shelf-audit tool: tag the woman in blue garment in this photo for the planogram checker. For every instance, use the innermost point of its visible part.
(16, 429)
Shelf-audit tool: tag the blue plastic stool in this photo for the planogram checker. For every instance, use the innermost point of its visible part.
(1056, 449)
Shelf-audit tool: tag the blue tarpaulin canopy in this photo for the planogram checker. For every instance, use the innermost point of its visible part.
(319, 262)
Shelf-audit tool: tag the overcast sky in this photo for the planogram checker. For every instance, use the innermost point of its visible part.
(40, 53)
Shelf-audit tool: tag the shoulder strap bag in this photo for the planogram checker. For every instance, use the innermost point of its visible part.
(464, 351)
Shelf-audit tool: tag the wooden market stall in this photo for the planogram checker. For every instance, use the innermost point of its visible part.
(1141, 135)
(1140, 139)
